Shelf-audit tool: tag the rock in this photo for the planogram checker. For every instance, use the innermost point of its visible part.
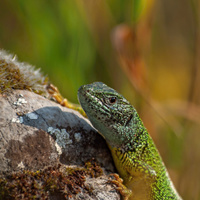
(36, 133)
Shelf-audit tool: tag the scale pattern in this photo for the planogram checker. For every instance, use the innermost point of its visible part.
(134, 152)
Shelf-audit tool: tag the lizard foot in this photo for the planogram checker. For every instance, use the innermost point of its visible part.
(124, 191)
(54, 92)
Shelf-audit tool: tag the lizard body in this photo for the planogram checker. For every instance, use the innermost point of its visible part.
(134, 152)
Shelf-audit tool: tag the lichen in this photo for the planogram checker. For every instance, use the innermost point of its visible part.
(32, 115)
(61, 135)
(77, 137)
(21, 100)
(19, 119)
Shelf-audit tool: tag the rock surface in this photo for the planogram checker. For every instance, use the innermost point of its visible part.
(36, 132)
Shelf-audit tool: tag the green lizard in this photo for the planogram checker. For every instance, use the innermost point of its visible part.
(134, 152)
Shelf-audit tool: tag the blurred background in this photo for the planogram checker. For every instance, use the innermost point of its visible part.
(147, 50)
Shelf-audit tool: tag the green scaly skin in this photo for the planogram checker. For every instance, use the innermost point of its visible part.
(134, 152)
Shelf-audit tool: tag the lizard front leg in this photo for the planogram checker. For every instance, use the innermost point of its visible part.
(54, 92)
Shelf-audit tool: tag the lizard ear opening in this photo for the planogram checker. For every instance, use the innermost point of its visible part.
(129, 119)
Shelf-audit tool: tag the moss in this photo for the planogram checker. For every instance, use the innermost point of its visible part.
(22, 76)
(48, 182)
(93, 168)
(16, 75)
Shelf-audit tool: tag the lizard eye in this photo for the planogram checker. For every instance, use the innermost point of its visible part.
(112, 100)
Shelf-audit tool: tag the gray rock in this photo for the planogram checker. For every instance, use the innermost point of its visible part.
(36, 132)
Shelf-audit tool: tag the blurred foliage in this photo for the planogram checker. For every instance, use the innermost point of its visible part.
(148, 50)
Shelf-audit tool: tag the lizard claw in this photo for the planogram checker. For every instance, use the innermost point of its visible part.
(118, 182)
(54, 92)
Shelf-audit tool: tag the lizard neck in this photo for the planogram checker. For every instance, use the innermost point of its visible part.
(139, 163)
(135, 155)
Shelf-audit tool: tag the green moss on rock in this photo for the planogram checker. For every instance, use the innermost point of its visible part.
(51, 181)
(18, 75)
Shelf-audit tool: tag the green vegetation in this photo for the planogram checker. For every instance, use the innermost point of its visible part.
(152, 58)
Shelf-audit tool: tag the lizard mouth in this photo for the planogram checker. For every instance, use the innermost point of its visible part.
(91, 102)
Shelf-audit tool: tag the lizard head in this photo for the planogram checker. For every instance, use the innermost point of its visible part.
(109, 112)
